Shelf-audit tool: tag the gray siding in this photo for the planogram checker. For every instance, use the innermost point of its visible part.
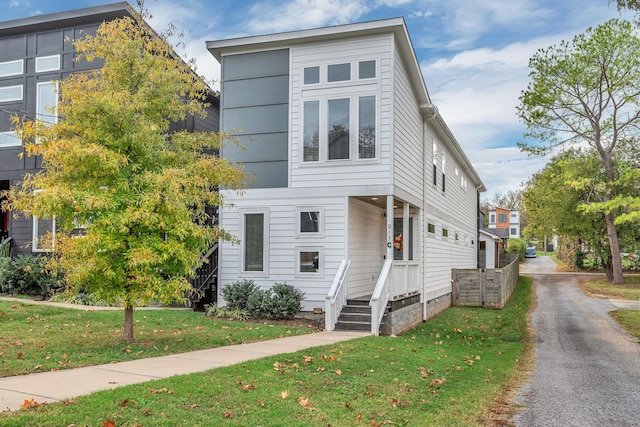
(255, 109)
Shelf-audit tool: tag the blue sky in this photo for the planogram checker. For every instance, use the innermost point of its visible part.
(473, 53)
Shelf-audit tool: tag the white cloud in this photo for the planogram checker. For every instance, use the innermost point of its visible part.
(270, 16)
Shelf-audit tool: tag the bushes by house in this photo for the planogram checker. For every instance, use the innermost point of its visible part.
(282, 301)
(26, 275)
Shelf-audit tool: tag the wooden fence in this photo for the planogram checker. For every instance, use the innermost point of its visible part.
(483, 287)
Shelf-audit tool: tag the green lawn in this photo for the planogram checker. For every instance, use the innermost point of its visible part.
(39, 338)
(629, 320)
(446, 372)
(602, 287)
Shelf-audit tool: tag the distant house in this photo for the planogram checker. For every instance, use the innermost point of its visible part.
(505, 219)
(36, 52)
(360, 193)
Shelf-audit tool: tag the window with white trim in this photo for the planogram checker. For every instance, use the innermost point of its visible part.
(435, 164)
(310, 222)
(11, 68)
(338, 72)
(47, 102)
(444, 159)
(9, 139)
(255, 242)
(47, 63)
(11, 93)
(44, 230)
(309, 261)
(338, 117)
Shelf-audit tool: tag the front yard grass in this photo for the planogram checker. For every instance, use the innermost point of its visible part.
(600, 287)
(446, 372)
(629, 320)
(39, 338)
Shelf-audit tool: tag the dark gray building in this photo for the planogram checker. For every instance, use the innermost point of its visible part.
(36, 52)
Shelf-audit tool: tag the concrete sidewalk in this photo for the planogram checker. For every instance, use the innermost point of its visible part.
(53, 386)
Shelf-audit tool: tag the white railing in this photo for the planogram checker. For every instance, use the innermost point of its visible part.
(337, 298)
(380, 297)
(405, 278)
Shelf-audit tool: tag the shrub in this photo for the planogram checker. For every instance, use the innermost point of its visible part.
(517, 246)
(259, 303)
(81, 299)
(26, 274)
(286, 301)
(216, 311)
(237, 294)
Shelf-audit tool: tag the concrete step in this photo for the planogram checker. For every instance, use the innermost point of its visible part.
(352, 326)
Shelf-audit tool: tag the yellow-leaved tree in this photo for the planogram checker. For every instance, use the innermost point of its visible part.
(111, 166)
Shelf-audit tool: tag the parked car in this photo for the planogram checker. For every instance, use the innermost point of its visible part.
(530, 252)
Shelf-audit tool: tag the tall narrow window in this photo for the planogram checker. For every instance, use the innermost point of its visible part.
(399, 240)
(338, 129)
(435, 164)
(47, 102)
(254, 242)
(311, 144)
(443, 174)
(43, 229)
(367, 127)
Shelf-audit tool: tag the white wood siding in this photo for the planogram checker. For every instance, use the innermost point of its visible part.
(453, 210)
(352, 172)
(408, 139)
(367, 240)
(283, 240)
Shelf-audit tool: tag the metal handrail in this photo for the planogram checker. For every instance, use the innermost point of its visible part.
(337, 297)
(380, 297)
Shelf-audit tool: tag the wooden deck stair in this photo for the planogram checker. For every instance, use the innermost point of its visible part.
(355, 316)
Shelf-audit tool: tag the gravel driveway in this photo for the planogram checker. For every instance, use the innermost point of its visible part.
(587, 370)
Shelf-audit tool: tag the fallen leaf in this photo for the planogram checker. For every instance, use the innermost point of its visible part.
(338, 372)
(247, 387)
(307, 359)
(260, 402)
(29, 404)
(227, 414)
(109, 423)
(284, 394)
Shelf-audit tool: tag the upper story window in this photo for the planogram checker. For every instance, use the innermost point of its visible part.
(502, 217)
(339, 72)
(11, 68)
(435, 164)
(9, 139)
(367, 70)
(47, 63)
(444, 159)
(492, 218)
(514, 215)
(11, 93)
(312, 75)
(338, 117)
(47, 102)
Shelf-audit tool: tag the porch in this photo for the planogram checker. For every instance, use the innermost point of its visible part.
(383, 264)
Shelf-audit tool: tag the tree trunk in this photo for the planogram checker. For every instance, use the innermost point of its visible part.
(616, 260)
(127, 332)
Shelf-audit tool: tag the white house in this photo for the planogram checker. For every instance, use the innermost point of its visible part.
(359, 190)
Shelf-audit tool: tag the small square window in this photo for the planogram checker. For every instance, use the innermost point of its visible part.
(47, 63)
(339, 72)
(310, 222)
(311, 75)
(309, 261)
(367, 69)
(445, 232)
(431, 228)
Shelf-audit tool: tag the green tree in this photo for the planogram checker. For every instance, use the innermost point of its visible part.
(585, 93)
(112, 166)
